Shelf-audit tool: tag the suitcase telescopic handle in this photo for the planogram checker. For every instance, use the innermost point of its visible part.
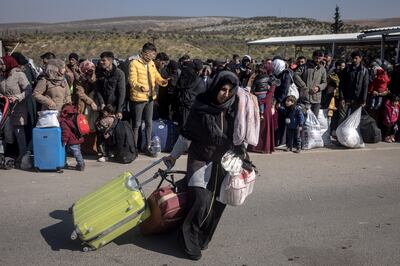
(147, 168)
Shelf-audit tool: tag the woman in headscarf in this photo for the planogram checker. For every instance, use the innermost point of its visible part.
(52, 91)
(209, 133)
(266, 142)
(15, 85)
(285, 76)
(83, 86)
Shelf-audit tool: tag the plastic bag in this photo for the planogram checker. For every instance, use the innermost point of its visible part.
(293, 90)
(312, 132)
(231, 163)
(48, 118)
(347, 132)
(323, 121)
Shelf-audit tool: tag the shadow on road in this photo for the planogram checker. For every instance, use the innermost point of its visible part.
(166, 244)
(58, 235)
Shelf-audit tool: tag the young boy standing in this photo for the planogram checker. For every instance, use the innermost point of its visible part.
(294, 123)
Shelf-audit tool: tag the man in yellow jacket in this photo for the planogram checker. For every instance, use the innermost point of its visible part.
(143, 77)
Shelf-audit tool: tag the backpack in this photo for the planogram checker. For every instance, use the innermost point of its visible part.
(82, 124)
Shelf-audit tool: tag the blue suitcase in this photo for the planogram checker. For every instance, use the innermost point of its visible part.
(48, 151)
(166, 130)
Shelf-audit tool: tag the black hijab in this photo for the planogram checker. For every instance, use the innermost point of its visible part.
(203, 124)
(207, 102)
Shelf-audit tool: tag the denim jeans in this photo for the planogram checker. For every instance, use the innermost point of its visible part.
(138, 108)
(76, 152)
(294, 137)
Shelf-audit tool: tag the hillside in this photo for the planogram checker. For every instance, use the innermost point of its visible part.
(202, 37)
(375, 23)
(135, 24)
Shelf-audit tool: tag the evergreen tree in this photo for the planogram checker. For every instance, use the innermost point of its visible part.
(337, 25)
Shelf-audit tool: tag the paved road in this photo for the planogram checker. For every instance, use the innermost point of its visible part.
(321, 207)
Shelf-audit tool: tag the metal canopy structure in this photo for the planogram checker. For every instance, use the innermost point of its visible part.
(385, 34)
(367, 37)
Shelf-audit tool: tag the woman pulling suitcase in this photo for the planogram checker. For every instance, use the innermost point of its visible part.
(208, 135)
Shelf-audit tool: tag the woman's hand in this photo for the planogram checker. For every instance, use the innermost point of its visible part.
(52, 105)
(169, 161)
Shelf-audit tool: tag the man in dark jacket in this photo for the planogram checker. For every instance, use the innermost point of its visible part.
(311, 81)
(353, 87)
(110, 84)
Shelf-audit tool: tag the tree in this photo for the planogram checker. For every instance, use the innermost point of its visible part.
(337, 25)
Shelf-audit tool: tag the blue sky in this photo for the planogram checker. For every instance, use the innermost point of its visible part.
(68, 10)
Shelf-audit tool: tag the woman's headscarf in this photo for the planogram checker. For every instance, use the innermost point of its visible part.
(207, 101)
(53, 71)
(85, 66)
(84, 69)
(10, 63)
(278, 65)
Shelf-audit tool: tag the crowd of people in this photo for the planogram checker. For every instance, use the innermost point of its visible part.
(203, 98)
(123, 94)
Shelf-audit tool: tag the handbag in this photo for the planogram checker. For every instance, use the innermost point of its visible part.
(236, 188)
(293, 90)
(239, 181)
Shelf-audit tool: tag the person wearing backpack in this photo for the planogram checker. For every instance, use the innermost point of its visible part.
(70, 136)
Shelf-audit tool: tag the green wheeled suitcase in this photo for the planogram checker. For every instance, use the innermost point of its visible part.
(110, 211)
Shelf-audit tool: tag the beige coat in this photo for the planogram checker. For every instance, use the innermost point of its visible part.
(18, 87)
(46, 93)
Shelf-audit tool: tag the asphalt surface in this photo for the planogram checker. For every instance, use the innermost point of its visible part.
(320, 207)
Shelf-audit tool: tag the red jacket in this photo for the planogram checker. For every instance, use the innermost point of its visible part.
(70, 133)
(380, 83)
(390, 113)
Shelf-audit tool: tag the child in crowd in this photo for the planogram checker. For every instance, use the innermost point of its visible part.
(378, 88)
(294, 123)
(71, 138)
(390, 118)
(102, 148)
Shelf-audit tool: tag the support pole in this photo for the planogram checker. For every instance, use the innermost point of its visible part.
(333, 50)
(398, 51)
(383, 48)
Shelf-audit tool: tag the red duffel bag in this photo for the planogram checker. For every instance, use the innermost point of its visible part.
(168, 209)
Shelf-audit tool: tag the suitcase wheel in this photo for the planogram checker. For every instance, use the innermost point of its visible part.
(59, 170)
(87, 249)
(74, 235)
